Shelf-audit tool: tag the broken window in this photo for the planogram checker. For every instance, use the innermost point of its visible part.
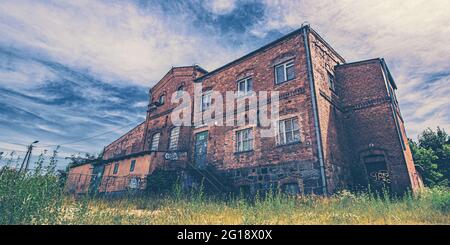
(206, 100)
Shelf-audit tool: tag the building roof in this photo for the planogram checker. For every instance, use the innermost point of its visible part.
(267, 46)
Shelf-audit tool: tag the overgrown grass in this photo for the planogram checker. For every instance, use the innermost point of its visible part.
(37, 198)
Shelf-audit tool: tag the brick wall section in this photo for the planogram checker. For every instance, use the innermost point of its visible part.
(370, 122)
(268, 164)
(129, 143)
(159, 120)
(78, 179)
(120, 181)
(335, 152)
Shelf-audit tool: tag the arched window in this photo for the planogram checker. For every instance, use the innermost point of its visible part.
(161, 99)
(180, 90)
(173, 140)
(155, 142)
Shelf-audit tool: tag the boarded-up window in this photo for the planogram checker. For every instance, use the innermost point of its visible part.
(174, 135)
(155, 142)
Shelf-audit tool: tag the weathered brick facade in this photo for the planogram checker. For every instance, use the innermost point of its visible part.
(341, 122)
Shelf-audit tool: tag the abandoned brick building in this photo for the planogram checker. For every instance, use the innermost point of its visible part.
(340, 127)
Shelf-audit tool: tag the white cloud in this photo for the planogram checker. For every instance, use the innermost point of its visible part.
(220, 7)
(113, 40)
(411, 35)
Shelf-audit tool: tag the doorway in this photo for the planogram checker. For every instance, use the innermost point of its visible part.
(377, 173)
(201, 145)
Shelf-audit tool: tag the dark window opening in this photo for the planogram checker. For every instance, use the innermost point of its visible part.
(132, 164)
(116, 168)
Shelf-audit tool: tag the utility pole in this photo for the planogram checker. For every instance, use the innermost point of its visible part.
(26, 159)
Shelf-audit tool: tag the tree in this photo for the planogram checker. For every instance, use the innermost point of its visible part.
(432, 156)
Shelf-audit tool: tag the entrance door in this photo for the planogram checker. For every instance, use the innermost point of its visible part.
(96, 179)
(377, 174)
(201, 144)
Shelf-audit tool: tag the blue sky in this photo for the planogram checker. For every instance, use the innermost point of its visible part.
(77, 73)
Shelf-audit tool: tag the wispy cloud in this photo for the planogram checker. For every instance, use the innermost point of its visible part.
(411, 35)
(74, 69)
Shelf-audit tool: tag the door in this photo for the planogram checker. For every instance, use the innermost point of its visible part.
(201, 144)
(96, 179)
(378, 176)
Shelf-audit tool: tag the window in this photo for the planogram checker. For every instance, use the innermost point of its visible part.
(133, 162)
(155, 142)
(116, 168)
(288, 131)
(180, 89)
(331, 83)
(284, 72)
(161, 99)
(206, 101)
(245, 85)
(173, 140)
(244, 140)
(291, 189)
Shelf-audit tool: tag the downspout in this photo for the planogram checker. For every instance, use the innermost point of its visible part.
(315, 110)
(391, 105)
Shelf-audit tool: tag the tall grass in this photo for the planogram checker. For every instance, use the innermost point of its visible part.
(37, 197)
(31, 197)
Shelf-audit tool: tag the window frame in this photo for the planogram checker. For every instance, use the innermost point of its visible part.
(246, 81)
(285, 132)
(206, 94)
(331, 81)
(287, 64)
(152, 142)
(173, 145)
(116, 168)
(179, 89)
(239, 145)
(132, 165)
(163, 98)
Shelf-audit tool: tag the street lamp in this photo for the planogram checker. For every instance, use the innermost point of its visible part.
(26, 160)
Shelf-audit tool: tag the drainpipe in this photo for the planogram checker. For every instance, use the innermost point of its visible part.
(315, 110)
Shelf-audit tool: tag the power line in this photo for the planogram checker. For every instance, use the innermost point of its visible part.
(13, 143)
(87, 138)
(7, 149)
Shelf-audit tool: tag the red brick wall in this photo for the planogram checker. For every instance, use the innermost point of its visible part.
(159, 120)
(119, 181)
(268, 162)
(335, 152)
(370, 122)
(131, 142)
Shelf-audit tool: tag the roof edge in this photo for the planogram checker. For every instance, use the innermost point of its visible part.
(252, 53)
